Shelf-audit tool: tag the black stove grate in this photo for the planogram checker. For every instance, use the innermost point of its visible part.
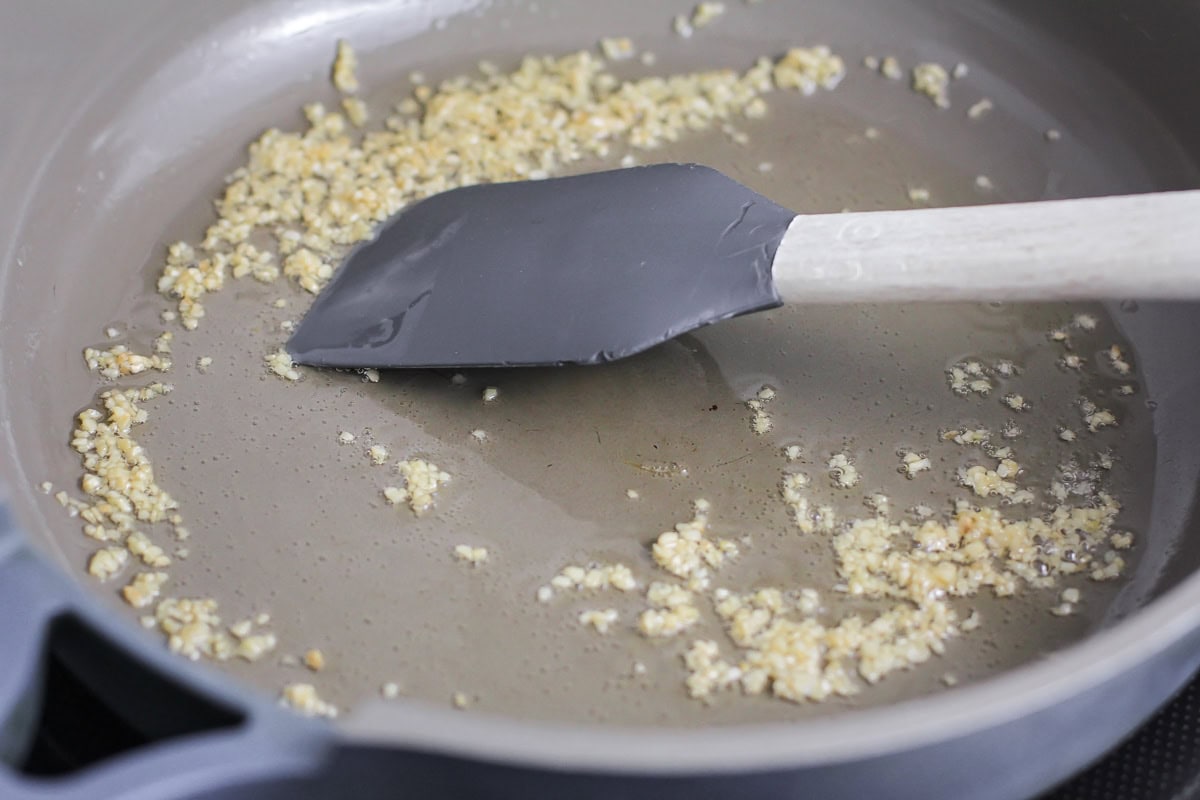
(1160, 762)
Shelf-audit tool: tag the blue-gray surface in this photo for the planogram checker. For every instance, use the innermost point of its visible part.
(584, 270)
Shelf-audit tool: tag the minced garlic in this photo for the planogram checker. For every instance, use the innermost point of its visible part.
(490, 393)
(1071, 361)
(760, 421)
(687, 553)
(1121, 541)
(107, 562)
(421, 482)
(361, 183)
(969, 377)
(150, 554)
(706, 12)
(985, 482)
(356, 111)
(672, 610)
(808, 69)
(345, 67)
(321, 191)
(1116, 357)
(980, 109)
(378, 454)
(309, 270)
(707, 671)
(601, 620)
(843, 471)
(933, 81)
(314, 659)
(144, 588)
(912, 462)
(303, 697)
(617, 48)
(280, 362)
(1096, 418)
(594, 577)
(472, 555)
(119, 361)
(1016, 402)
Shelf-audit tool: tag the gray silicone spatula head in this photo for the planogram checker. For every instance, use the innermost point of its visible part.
(570, 270)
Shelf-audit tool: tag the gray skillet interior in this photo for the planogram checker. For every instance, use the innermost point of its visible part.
(125, 159)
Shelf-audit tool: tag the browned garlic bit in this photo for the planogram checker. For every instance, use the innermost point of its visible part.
(1116, 357)
(314, 659)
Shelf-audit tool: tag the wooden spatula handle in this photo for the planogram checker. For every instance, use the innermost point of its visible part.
(1138, 246)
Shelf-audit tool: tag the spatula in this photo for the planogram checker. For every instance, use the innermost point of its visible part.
(597, 267)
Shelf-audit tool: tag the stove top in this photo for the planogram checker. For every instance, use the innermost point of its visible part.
(1160, 762)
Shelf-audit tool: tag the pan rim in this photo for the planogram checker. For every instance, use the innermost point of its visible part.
(843, 737)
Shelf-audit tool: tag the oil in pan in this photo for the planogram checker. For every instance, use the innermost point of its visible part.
(298, 522)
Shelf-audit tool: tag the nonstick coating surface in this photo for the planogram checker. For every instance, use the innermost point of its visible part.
(285, 520)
